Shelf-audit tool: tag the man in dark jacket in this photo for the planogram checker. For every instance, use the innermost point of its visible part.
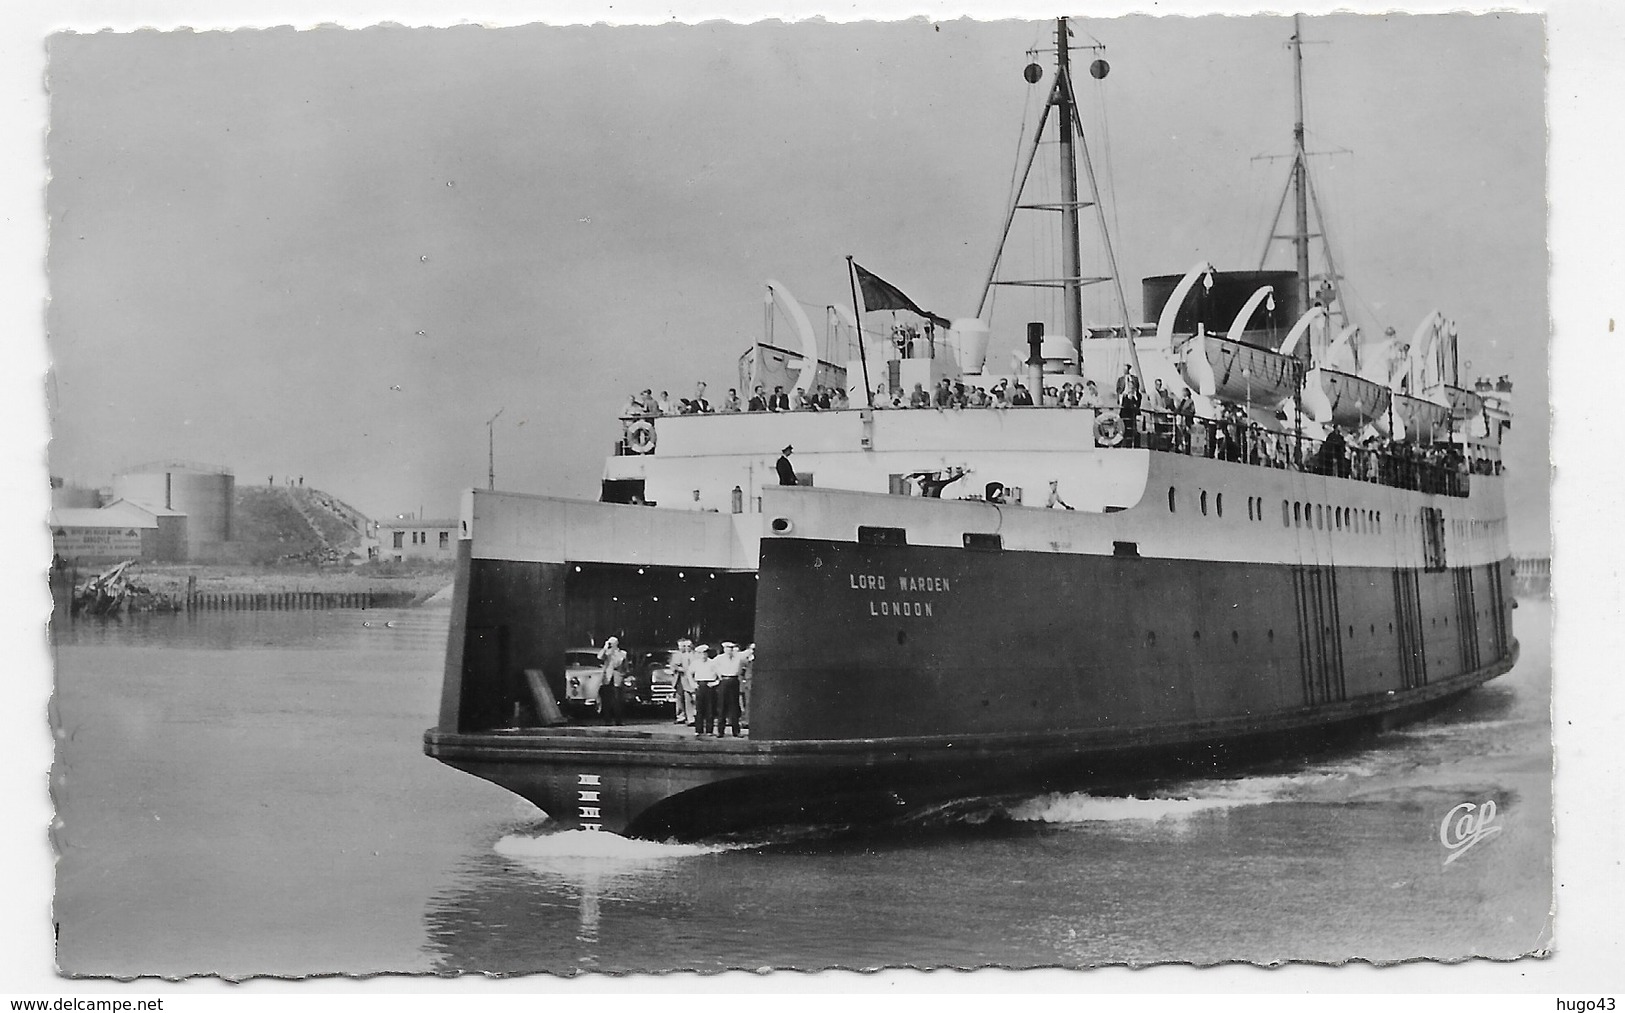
(787, 471)
(1185, 412)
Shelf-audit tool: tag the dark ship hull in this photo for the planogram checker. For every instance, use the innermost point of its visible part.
(951, 649)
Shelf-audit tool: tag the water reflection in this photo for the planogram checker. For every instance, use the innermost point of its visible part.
(310, 629)
(537, 899)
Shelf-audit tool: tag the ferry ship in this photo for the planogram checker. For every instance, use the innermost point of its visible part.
(971, 598)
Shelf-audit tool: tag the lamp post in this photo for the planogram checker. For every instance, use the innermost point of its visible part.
(491, 449)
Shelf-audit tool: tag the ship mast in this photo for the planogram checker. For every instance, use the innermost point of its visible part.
(1073, 146)
(1300, 166)
(1064, 104)
(1302, 189)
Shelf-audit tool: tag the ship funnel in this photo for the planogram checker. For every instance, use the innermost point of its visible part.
(970, 336)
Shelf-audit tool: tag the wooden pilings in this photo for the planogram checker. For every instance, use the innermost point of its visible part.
(283, 601)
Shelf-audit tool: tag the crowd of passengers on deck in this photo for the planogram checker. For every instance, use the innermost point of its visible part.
(818, 398)
(1154, 419)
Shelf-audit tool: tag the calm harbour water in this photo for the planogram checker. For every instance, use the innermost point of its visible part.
(246, 794)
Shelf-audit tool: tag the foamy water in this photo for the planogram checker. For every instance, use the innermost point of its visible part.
(1182, 801)
(1442, 729)
(603, 849)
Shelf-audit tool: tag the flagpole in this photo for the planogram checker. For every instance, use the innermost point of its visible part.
(857, 317)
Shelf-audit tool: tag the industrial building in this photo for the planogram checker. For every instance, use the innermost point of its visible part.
(121, 530)
(204, 493)
(407, 538)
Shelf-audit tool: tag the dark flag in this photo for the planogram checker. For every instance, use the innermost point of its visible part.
(883, 295)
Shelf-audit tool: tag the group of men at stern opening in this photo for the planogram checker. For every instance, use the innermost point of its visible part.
(713, 693)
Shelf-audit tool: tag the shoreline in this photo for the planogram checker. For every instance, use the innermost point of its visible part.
(175, 579)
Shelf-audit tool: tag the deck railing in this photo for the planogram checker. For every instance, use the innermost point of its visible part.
(1443, 469)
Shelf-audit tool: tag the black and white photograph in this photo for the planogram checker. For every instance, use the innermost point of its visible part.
(941, 492)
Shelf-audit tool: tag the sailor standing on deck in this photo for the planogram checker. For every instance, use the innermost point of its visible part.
(787, 471)
(682, 660)
(609, 688)
(705, 690)
(728, 666)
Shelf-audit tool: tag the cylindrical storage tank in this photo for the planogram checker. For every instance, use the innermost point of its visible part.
(149, 488)
(75, 497)
(204, 493)
(206, 500)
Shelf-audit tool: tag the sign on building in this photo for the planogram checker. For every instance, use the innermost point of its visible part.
(72, 543)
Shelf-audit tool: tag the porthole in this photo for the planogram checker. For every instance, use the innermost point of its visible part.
(1249, 508)
(1218, 503)
(1297, 515)
(1196, 634)
(1235, 637)
(1320, 517)
(1286, 515)
(1204, 502)
(1170, 499)
(1272, 636)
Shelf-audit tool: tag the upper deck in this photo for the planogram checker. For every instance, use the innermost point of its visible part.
(721, 462)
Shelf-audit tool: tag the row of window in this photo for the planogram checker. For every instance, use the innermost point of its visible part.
(1300, 515)
(1329, 518)
(1326, 517)
(1255, 504)
(420, 538)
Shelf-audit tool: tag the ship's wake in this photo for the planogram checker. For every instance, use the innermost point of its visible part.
(598, 846)
(599, 852)
(1183, 800)
(1443, 729)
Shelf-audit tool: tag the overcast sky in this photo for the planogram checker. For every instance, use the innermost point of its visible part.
(337, 253)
